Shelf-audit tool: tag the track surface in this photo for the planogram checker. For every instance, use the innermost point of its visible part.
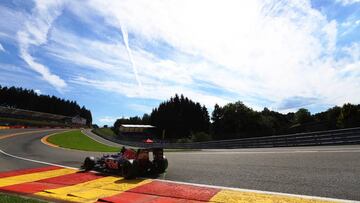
(320, 171)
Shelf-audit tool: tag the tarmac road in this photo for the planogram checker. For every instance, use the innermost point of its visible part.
(4, 132)
(327, 171)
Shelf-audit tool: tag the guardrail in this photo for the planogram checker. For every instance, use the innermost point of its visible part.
(331, 137)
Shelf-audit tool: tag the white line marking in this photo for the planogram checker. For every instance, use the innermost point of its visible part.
(35, 161)
(200, 185)
(335, 148)
(349, 151)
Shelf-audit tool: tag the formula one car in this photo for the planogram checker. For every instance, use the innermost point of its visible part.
(129, 163)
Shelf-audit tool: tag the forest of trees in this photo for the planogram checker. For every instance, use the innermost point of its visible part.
(30, 100)
(182, 118)
(179, 117)
(236, 120)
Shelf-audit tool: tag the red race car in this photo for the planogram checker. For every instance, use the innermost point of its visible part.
(129, 163)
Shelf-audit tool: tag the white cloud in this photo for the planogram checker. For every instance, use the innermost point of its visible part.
(141, 108)
(269, 49)
(348, 2)
(108, 120)
(35, 34)
(2, 48)
(8, 30)
(37, 91)
(161, 78)
(251, 51)
(150, 91)
(349, 25)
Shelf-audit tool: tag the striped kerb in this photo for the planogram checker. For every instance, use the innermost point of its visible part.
(64, 184)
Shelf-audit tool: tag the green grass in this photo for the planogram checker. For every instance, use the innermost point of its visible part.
(104, 132)
(77, 140)
(4, 198)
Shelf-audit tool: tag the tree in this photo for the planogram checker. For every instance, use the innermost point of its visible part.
(328, 119)
(146, 119)
(274, 122)
(303, 116)
(349, 116)
(332, 115)
(236, 120)
(180, 117)
(29, 100)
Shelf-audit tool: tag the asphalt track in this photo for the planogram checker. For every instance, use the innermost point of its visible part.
(317, 171)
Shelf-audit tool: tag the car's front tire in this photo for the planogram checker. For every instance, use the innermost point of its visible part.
(89, 163)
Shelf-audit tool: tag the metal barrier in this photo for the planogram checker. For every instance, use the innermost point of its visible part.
(331, 137)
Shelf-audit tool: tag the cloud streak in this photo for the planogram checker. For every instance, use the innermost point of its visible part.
(126, 42)
(35, 34)
(150, 91)
(2, 48)
(348, 2)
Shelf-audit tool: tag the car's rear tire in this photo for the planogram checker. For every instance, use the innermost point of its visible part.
(160, 166)
(129, 170)
(89, 163)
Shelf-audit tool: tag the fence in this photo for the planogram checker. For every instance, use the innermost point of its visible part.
(331, 137)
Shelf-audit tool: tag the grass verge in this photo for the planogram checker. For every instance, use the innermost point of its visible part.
(5, 198)
(104, 132)
(77, 140)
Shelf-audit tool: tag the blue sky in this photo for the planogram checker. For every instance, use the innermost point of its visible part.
(122, 58)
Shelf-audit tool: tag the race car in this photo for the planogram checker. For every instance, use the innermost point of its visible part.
(129, 163)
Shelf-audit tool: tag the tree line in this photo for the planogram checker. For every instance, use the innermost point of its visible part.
(182, 118)
(236, 120)
(27, 99)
